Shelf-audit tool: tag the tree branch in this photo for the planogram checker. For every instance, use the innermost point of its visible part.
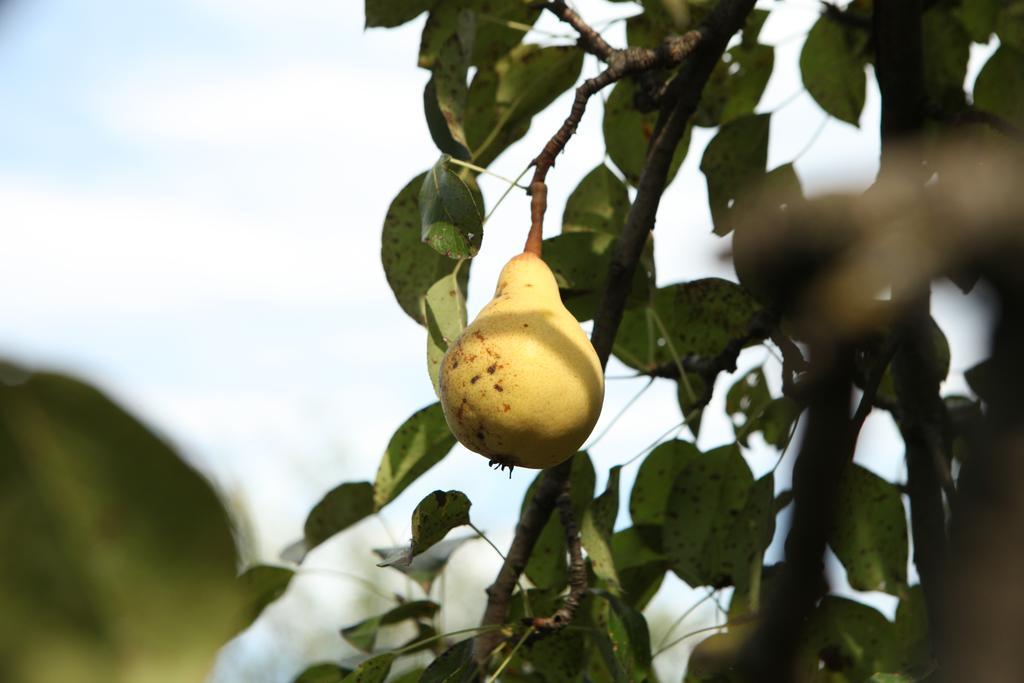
(577, 570)
(680, 102)
(827, 447)
(705, 48)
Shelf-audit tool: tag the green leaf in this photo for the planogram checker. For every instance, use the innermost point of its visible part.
(437, 514)
(118, 558)
(446, 318)
(263, 584)
(391, 13)
(869, 535)
(363, 636)
(1010, 25)
(596, 531)
(946, 49)
(701, 318)
(736, 84)
(911, 643)
(451, 218)
(454, 665)
(410, 266)
(631, 643)
(494, 36)
(891, 678)
(418, 445)
(579, 262)
(741, 550)
(546, 567)
(753, 410)
(982, 379)
(1000, 86)
(425, 567)
(640, 569)
(598, 204)
(688, 395)
(321, 673)
(849, 640)
(832, 65)
(978, 18)
(449, 79)
(503, 100)
(373, 670)
(734, 164)
(709, 492)
(627, 133)
(887, 387)
(649, 499)
(342, 507)
(437, 125)
(557, 657)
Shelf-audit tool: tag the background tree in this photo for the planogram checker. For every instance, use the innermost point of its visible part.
(839, 286)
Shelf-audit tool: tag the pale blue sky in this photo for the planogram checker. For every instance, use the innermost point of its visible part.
(191, 195)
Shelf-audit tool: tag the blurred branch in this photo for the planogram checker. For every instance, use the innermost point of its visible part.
(827, 446)
(899, 63)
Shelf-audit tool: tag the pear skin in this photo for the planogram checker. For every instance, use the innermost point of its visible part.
(522, 384)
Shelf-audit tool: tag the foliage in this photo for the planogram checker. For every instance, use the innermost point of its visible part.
(120, 557)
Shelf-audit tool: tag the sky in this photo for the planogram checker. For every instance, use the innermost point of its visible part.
(191, 197)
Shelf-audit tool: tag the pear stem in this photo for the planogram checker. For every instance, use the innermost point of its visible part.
(538, 205)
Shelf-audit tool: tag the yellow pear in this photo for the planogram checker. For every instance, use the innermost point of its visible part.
(522, 384)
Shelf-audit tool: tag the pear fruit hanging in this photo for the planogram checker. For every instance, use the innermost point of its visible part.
(522, 384)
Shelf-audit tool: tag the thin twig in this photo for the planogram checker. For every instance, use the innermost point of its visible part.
(577, 570)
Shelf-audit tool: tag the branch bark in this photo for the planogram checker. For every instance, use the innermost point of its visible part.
(679, 104)
(899, 63)
(827, 447)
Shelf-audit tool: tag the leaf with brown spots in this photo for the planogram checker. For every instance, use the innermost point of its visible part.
(701, 317)
(418, 445)
(410, 266)
(342, 507)
(451, 212)
(373, 670)
(734, 164)
(437, 514)
(870, 532)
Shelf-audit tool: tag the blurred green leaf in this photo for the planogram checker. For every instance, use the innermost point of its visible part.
(454, 665)
(978, 18)
(869, 535)
(546, 567)
(373, 670)
(832, 65)
(736, 84)
(438, 127)
(391, 13)
(263, 584)
(118, 557)
(911, 643)
(598, 204)
(887, 387)
(1010, 24)
(559, 656)
(445, 307)
(363, 636)
(451, 217)
(631, 643)
(437, 514)
(1000, 85)
(321, 673)
(426, 566)
(848, 640)
(982, 380)
(419, 444)
(734, 165)
(494, 36)
(411, 267)
(753, 410)
(946, 47)
(700, 317)
(689, 394)
(342, 507)
(627, 133)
